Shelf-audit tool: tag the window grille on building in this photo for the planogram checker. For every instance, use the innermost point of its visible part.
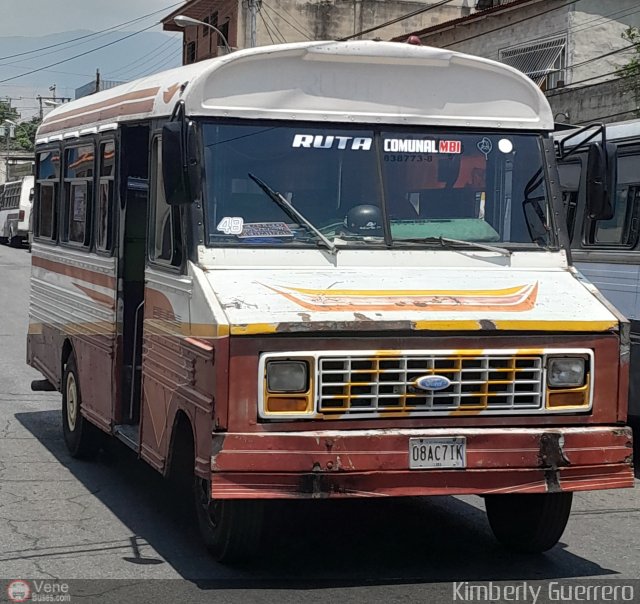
(543, 61)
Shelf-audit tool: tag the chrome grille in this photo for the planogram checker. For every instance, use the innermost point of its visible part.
(383, 384)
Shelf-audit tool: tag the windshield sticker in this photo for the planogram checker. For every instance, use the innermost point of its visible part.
(231, 225)
(505, 145)
(485, 146)
(265, 229)
(412, 145)
(311, 141)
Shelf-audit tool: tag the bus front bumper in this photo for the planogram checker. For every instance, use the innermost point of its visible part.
(375, 463)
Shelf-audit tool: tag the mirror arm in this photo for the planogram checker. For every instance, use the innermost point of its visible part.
(599, 129)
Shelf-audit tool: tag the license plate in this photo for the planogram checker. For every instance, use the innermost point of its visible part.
(437, 453)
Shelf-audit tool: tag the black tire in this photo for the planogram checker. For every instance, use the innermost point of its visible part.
(529, 523)
(231, 528)
(14, 240)
(82, 438)
(4, 240)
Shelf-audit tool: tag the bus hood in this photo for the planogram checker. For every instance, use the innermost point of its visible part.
(288, 301)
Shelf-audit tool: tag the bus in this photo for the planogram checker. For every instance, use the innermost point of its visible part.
(15, 211)
(326, 270)
(607, 251)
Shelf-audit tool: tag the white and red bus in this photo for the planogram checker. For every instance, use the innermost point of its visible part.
(327, 270)
(15, 211)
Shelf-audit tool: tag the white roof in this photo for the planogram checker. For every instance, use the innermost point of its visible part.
(351, 82)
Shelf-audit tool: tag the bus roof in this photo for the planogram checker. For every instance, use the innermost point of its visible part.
(351, 82)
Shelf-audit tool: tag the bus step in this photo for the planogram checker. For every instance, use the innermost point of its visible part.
(42, 386)
(129, 434)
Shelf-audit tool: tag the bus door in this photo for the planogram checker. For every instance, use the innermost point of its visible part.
(135, 192)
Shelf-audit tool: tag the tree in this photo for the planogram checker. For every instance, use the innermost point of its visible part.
(26, 134)
(7, 112)
(630, 73)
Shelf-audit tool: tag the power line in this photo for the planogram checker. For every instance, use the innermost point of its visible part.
(135, 33)
(267, 27)
(275, 27)
(154, 67)
(133, 65)
(605, 117)
(308, 33)
(583, 26)
(95, 33)
(511, 24)
(394, 21)
(265, 5)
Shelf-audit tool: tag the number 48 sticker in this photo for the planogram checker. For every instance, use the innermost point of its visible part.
(231, 225)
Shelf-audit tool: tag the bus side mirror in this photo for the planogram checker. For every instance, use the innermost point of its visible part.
(174, 173)
(601, 180)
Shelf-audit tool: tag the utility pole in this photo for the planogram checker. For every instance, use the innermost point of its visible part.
(254, 7)
(97, 80)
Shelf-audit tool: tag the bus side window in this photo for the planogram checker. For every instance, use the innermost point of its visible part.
(165, 244)
(621, 230)
(78, 193)
(104, 200)
(47, 183)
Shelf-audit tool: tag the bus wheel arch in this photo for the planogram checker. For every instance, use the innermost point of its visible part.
(230, 529)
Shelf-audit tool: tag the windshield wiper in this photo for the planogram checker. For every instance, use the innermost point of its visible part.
(447, 242)
(279, 199)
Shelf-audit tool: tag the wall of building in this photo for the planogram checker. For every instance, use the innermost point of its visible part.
(596, 29)
(490, 34)
(298, 20)
(205, 40)
(602, 102)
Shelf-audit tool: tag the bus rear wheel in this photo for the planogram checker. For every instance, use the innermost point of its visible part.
(529, 523)
(82, 438)
(231, 529)
(14, 240)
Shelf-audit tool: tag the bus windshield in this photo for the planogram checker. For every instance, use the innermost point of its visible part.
(373, 186)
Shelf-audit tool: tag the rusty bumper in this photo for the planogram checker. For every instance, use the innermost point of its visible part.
(375, 463)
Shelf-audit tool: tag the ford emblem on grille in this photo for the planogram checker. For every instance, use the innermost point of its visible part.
(433, 382)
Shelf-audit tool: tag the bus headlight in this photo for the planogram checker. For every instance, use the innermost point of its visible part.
(568, 372)
(287, 376)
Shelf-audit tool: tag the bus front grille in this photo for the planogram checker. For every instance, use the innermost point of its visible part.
(357, 385)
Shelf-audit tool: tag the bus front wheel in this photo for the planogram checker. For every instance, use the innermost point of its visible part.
(529, 523)
(231, 529)
(82, 438)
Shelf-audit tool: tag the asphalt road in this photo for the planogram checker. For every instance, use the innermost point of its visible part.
(111, 519)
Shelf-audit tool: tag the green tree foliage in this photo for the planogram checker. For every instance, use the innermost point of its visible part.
(24, 133)
(630, 73)
(7, 112)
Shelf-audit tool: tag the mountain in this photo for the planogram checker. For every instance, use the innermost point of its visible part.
(123, 57)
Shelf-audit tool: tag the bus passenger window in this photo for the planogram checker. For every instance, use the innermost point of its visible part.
(104, 200)
(622, 229)
(165, 235)
(76, 203)
(48, 177)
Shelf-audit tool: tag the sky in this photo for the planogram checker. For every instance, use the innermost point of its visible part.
(64, 15)
(25, 24)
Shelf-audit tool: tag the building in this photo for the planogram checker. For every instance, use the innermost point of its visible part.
(18, 163)
(572, 49)
(279, 21)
